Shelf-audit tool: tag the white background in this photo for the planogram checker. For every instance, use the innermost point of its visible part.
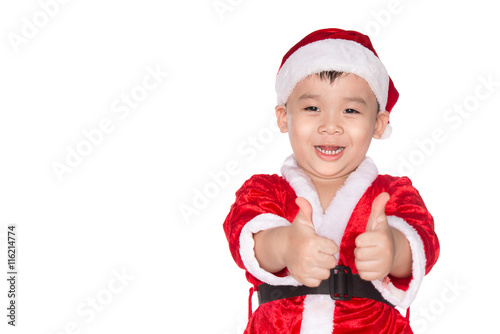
(118, 211)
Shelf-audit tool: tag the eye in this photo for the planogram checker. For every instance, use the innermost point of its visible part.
(312, 108)
(351, 111)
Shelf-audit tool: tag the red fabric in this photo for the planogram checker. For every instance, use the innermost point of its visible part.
(282, 316)
(272, 194)
(368, 316)
(405, 203)
(334, 33)
(260, 194)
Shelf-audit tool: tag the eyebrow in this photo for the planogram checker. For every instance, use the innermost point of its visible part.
(309, 96)
(355, 99)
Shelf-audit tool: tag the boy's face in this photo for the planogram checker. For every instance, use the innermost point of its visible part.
(330, 126)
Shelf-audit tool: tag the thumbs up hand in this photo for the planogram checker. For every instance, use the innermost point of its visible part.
(304, 217)
(375, 248)
(378, 220)
(309, 257)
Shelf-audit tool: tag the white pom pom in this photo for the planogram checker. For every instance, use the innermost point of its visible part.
(387, 132)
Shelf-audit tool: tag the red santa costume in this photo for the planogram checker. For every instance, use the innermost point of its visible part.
(268, 201)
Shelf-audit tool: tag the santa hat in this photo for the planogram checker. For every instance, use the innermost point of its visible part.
(336, 50)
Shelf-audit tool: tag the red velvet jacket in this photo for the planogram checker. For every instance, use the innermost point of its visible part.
(267, 201)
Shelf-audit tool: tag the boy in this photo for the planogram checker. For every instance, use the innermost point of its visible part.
(331, 246)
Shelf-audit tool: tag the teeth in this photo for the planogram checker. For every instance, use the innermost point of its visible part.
(332, 152)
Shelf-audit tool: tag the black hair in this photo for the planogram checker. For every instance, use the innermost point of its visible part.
(331, 76)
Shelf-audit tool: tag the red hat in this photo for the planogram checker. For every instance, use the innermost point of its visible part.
(335, 50)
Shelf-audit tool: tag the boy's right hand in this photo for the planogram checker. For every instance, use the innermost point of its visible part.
(309, 257)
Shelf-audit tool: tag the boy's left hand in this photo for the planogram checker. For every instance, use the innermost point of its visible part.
(375, 249)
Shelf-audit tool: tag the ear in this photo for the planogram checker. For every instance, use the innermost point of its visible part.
(380, 124)
(281, 117)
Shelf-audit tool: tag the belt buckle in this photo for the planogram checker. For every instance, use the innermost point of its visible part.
(340, 283)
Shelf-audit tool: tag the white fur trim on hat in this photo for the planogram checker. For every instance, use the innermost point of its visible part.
(387, 132)
(333, 55)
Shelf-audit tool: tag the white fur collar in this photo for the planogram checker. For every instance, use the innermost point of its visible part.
(333, 222)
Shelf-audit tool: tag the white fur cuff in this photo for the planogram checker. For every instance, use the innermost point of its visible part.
(259, 223)
(397, 296)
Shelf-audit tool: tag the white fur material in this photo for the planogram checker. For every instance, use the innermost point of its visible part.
(387, 132)
(396, 296)
(333, 55)
(317, 316)
(259, 223)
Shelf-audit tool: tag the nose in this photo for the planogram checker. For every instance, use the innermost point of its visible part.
(330, 124)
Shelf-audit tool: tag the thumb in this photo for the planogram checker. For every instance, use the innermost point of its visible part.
(377, 216)
(305, 211)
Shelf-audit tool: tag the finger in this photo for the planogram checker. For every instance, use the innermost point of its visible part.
(327, 246)
(368, 270)
(365, 240)
(366, 266)
(305, 210)
(370, 275)
(365, 254)
(311, 282)
(326, 261)
(377, 214)
(315, 276)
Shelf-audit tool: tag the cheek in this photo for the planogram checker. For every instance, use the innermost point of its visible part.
(362, 133)
(300, 129)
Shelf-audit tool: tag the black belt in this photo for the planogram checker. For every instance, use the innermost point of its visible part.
(342, 285)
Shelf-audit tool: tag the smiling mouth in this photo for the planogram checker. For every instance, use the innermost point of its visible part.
(330, 150)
